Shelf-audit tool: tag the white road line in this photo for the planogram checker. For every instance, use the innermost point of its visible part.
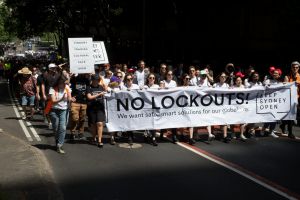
(37, 137)
(267, 186)
(27, 134)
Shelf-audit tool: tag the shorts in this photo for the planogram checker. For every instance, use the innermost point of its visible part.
(27, 100)
(96, 116)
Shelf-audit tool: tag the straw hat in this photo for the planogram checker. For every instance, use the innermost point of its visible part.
(24, 70)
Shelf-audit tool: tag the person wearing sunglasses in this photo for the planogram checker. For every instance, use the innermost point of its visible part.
(129, 85)
(186, 83)
(222, 84)
(149, 135)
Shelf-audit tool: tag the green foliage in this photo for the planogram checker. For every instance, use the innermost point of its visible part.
(5, 35)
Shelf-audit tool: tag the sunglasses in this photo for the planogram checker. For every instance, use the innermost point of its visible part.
(129, 79)
(151, 77)
(187, 78)
(119, 76)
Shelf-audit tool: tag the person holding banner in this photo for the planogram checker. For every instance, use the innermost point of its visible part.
(294, 76)
(186, 83)
(129, 85)
(150, 84)
(165, 84)
(252, 81)
(169, 82)
(96, 111)
(222, 84)
(274, 80)
(113, 86)
(239, 85)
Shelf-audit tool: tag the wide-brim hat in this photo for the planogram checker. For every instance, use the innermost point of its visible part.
(24, 70)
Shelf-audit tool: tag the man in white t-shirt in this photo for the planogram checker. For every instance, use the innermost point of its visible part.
(141, 74)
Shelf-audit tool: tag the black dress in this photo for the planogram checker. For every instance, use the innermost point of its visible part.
(96, 110)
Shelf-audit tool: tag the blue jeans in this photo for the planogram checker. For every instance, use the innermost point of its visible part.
(25, 100)
(59, 124)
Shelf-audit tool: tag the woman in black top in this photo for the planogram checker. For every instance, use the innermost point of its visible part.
(96, 113)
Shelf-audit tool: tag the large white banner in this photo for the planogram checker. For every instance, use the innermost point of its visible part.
(196, 106)
(81, 55)
(99, 53)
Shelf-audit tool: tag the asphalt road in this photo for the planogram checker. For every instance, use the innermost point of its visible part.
(260, 168)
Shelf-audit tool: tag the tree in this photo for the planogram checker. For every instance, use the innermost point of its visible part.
(4, 34)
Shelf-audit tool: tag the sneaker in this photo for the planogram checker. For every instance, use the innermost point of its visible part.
(80, 136)
(292, 136)
(272, 134)
(60, 150)
(192, 141)
(282, 127)
(100, 145)
(211, 137)
(72, 136)
(23, 117)
(252, 132)
(243, 138)
(226, 139)
(50, 126)
(174, 139)
(154, 143)
(112, 140)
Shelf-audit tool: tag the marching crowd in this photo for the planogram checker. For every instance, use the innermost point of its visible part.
(67, 99)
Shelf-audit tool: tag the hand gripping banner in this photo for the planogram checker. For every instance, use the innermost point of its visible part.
(197, 106)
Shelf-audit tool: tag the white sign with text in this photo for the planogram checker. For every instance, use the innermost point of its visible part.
(99, 53)
(81, 55)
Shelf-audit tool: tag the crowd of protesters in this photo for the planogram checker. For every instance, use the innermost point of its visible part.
(68, 100)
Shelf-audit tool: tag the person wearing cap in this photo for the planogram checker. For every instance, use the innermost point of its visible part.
(203, 82)
(79, 85)
(27, 91)
(49, 80)
(96, 111)
(293, 76)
